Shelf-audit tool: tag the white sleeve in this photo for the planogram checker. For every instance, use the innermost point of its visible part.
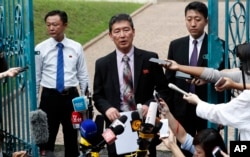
(234, 113)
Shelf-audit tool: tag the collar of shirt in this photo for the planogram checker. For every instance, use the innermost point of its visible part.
(130, 54)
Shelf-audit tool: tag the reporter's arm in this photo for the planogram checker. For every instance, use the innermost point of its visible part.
(170, 143)
(177, 128)
(174, 149)
(192, 70)
(10, 72)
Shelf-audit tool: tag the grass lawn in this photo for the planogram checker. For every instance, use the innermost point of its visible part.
(86, 20)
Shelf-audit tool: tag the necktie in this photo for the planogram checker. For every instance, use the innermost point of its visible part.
(193, 62)
(60, 69)
(128, 92)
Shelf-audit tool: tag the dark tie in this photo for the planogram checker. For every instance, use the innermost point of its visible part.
(128, 93)
(60, 69)
(193, 62)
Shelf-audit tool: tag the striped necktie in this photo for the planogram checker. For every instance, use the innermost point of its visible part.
(128, 92)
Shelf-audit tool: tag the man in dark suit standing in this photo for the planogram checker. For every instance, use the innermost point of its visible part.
(181, 50)
(109, 83)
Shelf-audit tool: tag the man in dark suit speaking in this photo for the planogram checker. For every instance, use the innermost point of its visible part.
(116, 91)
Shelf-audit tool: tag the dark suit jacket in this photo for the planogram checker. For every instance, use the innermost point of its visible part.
(147, 77)
(179, 51)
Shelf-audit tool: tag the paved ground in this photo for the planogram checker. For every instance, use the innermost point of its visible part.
(155, 26)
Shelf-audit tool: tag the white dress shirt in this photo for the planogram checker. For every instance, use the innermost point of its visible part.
(75, 69)
(191, 45)
(234, 113)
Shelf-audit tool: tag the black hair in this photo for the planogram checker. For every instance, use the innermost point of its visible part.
(120, 17)
(197, 6)
(208, 139)
(243, 52)
(62, 14)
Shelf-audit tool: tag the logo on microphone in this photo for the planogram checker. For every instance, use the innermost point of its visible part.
(136, 124)
(79, 104)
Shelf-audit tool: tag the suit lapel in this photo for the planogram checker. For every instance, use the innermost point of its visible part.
(203, 51)
(114, 72)
(138, 61)
(185, 52)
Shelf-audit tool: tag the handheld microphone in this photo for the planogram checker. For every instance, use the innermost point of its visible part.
(119, 121)
(151, 115)
(140, 110)
(39, 126)
(109, 135)
(91, 135)
(135, 121)
(147, 131)
(174, 87)
(76, 119)
(80, 104)
(88, 129)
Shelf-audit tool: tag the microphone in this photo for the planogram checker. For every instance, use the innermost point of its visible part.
(140, 110)
(109, 134)
(76, 119)
(174, 87)
(88, 129)
(116, 128)
(80, 104)
(119, 121)
(39, 126)
(135, 121)
(91, 135)
(151, 117)
(148, 128)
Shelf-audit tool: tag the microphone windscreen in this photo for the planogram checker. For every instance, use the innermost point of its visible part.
(39, 126)
(88, 129)
(118, 129)
(136, 121)
(123, 119)
(120, 121)
(79, 104)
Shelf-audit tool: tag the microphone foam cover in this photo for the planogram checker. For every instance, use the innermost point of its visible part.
(136, 121)
(118, 129)
(123, 119)
(39, 126)
(88, 129)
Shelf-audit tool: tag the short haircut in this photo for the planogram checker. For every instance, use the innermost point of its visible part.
(120, 17)
(62, 14)
(197, 6)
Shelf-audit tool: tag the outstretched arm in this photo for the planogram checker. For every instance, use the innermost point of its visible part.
(10, 72)
(177, 128)
(192, 70)
(170, 143)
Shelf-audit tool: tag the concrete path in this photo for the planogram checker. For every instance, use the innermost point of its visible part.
(155, 26)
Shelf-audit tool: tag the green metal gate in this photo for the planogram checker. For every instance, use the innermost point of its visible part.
(18, 96)
(236, 31)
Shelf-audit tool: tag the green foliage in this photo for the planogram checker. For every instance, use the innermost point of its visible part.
(86, 20)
